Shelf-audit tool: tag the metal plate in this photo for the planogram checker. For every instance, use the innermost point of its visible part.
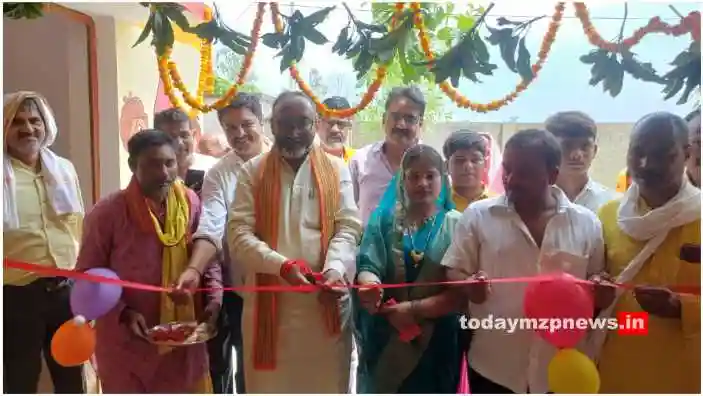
(200, 333)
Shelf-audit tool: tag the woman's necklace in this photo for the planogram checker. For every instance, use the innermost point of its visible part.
(415, 254)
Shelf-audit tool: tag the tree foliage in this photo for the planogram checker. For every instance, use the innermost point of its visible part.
(444, 25)
(458, 40)
(227, 65)
(317, 83)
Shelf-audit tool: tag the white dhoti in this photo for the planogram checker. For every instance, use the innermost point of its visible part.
(309, 360)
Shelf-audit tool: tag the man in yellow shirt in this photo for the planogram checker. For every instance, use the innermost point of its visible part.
(334, 132)
(466, 153)
(652, 237)
(42, 216)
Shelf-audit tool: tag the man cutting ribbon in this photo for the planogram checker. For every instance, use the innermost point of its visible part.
(294, 211)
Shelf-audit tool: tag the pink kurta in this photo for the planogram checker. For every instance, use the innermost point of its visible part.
(126, 363)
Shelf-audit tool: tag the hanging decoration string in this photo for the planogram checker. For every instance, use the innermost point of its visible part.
(366, 99)
(168, 71)
(691, 23)
(465, 102)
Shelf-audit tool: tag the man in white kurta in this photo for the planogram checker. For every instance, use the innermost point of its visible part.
(308, 358)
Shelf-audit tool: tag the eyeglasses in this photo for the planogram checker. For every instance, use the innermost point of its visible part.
(409, 119)
(340, 124)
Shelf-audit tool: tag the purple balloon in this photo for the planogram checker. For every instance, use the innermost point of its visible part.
(94, 299)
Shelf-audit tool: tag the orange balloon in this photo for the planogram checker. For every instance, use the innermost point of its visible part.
(73, 343)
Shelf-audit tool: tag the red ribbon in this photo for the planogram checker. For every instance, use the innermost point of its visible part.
(71, 274)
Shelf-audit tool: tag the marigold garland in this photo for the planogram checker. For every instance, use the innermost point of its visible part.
(689, 24)
(168, 71)
(321, 107)
(205, 79)
(463, 101)
(170, 76)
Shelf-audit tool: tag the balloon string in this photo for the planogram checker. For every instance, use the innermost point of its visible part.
(71, 274)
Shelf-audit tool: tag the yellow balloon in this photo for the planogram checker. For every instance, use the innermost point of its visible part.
(570, 371)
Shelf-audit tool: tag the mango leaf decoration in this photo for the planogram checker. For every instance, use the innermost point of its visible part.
(685, 75)
(469, 57)
(524, 66)
(610, 68)
(164, 15)
(511, 42)
(639, 70)
(297, 30)
(22, 10)
(605, 69)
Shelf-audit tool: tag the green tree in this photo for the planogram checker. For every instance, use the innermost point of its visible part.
(316, 82)
(227, 66)
(444, 26)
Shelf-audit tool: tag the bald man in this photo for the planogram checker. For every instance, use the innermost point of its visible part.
(213, 145)
(295, 342)
(652, 237)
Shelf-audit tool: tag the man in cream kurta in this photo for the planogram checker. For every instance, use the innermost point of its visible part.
(42, 215)
(308, 358)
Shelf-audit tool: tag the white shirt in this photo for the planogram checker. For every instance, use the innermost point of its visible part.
(492, 238)
(594, 195)
(216, 196)
(203, 162)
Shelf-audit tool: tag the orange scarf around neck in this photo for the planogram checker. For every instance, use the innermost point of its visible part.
(267, 201)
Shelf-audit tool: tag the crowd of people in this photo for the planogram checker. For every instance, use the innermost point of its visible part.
(306, 210)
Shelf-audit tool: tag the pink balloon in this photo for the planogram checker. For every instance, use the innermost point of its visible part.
(565, 301)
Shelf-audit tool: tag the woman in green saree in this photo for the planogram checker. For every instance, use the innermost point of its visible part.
(405, 241)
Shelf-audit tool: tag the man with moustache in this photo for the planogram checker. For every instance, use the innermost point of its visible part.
(334, 132)
(576, 132)
(242, 121)
(693, 165)
(294, 221)
(42, 217)
(142, 233)
(652, 237)
(373, 166)
(531, 230)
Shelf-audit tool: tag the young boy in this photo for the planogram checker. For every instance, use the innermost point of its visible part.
(576, 133)
(466, 153)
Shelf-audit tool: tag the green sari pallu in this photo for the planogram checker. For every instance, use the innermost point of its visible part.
(431, 362)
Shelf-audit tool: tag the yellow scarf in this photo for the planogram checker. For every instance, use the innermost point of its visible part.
(175, 254)
(267, 200)
(173, 236)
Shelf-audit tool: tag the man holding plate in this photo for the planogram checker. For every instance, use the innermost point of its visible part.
(142, 233)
